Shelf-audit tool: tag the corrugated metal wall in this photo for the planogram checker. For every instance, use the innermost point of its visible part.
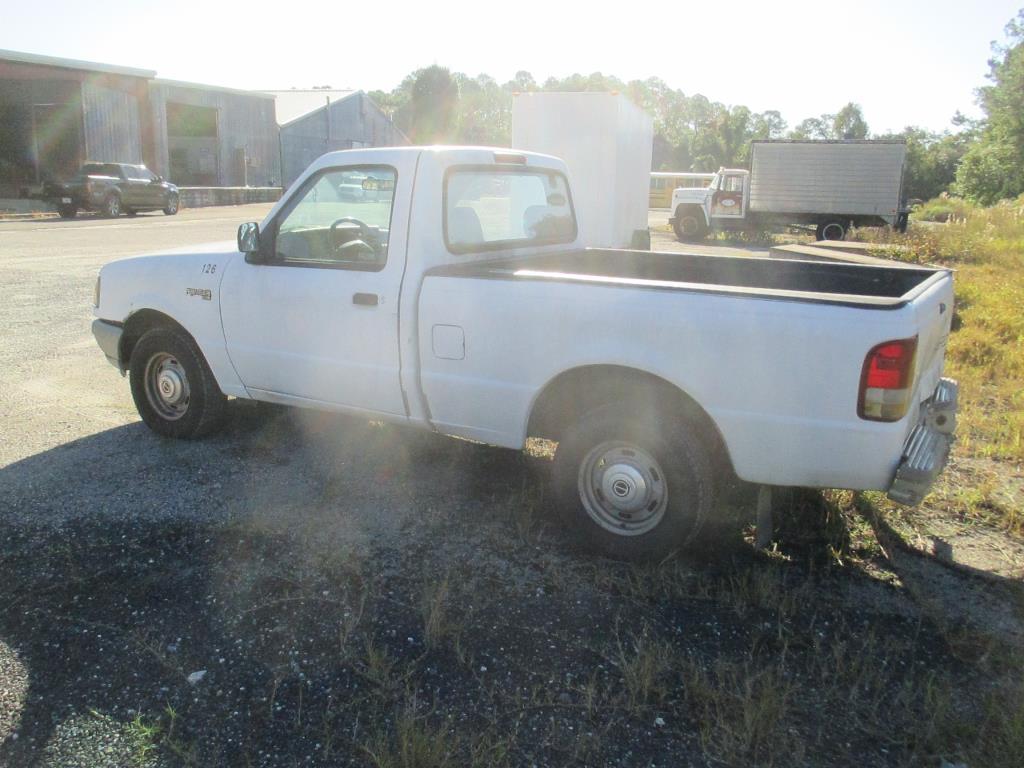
(245, 124)
(347, 124)
(111, 119)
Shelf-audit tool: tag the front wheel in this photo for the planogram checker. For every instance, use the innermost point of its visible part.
(634, 488)
(173, 387)
(689, 226)
(171, 206)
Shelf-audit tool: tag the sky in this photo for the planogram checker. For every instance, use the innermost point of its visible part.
(906, 62)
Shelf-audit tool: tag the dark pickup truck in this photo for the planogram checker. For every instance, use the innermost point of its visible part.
(112, 189)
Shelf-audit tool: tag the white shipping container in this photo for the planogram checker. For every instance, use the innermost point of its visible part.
(606, 141)
(841, 177)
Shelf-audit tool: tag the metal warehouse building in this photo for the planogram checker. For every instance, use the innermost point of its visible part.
(57, 113)
(316, 121)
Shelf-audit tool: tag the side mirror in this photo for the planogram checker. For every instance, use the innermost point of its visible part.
(249, 237)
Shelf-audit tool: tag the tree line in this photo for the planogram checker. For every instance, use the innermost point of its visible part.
(982, 160)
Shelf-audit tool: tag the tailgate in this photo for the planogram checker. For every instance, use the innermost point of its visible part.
(933, 312)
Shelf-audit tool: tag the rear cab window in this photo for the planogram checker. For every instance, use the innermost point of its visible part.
(494, 208)
(102, 169)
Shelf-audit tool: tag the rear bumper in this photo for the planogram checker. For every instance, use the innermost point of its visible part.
(108, 336)
(926, 450)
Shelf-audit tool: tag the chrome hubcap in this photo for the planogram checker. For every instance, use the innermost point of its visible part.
(167, 386)
(623, 488)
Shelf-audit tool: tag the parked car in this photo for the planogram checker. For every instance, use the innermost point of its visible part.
(827, 185)
(463, 304)
(112, 189)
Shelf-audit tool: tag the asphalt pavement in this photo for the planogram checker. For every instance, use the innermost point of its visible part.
(55, 385)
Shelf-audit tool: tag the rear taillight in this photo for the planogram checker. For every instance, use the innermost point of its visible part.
(887, 381)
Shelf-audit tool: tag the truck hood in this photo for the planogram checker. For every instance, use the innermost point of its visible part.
(163, 280)
(689, 195)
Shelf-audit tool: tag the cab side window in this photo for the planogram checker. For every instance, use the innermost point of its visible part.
(341, 219)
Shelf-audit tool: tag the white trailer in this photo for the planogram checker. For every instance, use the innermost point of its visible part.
(830, 185)
(606, 141)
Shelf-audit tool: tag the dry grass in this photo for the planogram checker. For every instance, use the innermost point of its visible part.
(644, 663)
(414, 743)
(740, 709)
(986, 350)
(439, 624)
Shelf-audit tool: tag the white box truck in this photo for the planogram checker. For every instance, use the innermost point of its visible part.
(607, 142)
(829, 185)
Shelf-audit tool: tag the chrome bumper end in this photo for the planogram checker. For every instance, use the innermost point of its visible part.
(108, 336)
(926, 450)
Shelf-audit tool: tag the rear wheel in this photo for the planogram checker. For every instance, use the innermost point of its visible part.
(690, 225)
(633, 487)
(112, 206)
(173, 387)
(831, 230)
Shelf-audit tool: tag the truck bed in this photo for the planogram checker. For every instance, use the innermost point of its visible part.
(857, 285)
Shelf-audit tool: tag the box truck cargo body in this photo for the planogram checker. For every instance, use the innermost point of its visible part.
(606, 141)
(828, 185)
(858, 178)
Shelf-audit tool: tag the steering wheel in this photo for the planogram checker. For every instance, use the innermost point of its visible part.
(359, 246)
(364, 231)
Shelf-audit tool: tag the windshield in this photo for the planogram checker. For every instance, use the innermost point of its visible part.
(492, 208)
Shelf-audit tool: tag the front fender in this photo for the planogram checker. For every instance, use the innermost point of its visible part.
(183, 286)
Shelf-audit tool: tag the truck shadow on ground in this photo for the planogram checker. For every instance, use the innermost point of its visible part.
(315, 589)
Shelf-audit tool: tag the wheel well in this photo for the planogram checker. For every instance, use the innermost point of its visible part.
(690, 207)
(139, 323)
(575, 392)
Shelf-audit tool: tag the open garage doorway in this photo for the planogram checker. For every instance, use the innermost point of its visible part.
(38, 142)
(193, 145)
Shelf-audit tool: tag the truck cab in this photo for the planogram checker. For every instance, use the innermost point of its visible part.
(723, 204)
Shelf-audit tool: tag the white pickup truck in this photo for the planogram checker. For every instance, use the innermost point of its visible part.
(453, 296)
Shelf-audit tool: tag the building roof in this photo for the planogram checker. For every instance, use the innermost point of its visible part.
(204, 87)
(89, 66)
(295, 103)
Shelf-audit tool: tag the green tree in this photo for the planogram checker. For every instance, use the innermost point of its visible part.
(849, 123)
(814, 128)
(433, 100)
(932, 160)
(993, 167)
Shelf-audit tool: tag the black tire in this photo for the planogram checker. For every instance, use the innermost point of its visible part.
(112, 206)
(689, 225)
(669, 455)
(165, 356)
(171, 206)
(834, 229)
(67, 211)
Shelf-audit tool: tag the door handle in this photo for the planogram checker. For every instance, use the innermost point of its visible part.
(365, 299)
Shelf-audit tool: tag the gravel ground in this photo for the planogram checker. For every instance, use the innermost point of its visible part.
(308, 589)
